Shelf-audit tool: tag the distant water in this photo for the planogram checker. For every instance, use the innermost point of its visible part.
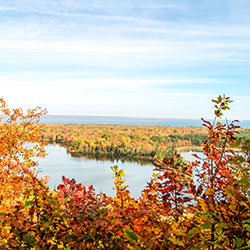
(96, 172)
(92, 172)
(126, 121)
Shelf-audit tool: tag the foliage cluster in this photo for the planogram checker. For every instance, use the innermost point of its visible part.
(145, 142)
(244, 133)
(203, 204)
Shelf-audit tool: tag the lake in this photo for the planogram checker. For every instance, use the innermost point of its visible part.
(92, 172)
(70, 119)
(95, 172)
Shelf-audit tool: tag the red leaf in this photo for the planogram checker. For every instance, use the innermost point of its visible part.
(196, 156)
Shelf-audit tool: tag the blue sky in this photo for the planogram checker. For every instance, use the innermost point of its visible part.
(140, 58)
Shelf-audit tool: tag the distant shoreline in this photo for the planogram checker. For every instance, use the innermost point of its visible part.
(79, 117)
(111, 120)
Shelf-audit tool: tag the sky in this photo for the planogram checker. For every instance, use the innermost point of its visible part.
(137, 58)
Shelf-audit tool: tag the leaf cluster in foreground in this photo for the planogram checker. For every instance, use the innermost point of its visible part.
(202, 204)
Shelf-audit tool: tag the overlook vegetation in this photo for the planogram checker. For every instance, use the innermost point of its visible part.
(203, 204)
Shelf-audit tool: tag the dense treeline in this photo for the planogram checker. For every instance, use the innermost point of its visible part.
(123, 141)
(244, 133)
(203, 204)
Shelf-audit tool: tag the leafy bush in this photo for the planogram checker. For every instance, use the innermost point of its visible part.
(173, 211)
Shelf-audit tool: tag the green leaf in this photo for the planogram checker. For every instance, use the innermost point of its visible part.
(247, 227)
(247, 246)
(239, 159)
(246, 147)
(206, 225)
(51, 200)
(131, 235)
(236, 143)
(193, 232)
(30, 240)
(244, 180)
(245, 169)
(216, 244)
(238, 241)
(246, 221)
(29, 203)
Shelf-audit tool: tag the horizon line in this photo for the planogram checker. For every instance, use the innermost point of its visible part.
(134, 117)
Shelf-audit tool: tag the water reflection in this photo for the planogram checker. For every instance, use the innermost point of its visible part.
(104, 157)
(92, 171)
(188, 156)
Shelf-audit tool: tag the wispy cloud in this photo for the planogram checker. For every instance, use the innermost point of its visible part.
(145, 58)
(98, 96)
(121, 53)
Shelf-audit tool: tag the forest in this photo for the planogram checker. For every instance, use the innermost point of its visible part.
(127, 141)
(204, 204)
(133, 142)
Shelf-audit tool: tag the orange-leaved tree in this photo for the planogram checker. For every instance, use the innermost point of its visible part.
(27, 205)
(204, 204)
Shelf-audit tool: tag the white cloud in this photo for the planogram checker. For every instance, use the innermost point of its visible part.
(121, 97)
(136, 54)
(118, 57)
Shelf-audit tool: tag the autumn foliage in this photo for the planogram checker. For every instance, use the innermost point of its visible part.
(187, 205)
(122, 141)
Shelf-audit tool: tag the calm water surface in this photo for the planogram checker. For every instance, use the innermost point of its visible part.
(96, 172)
(92, 172)
(125, 121)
